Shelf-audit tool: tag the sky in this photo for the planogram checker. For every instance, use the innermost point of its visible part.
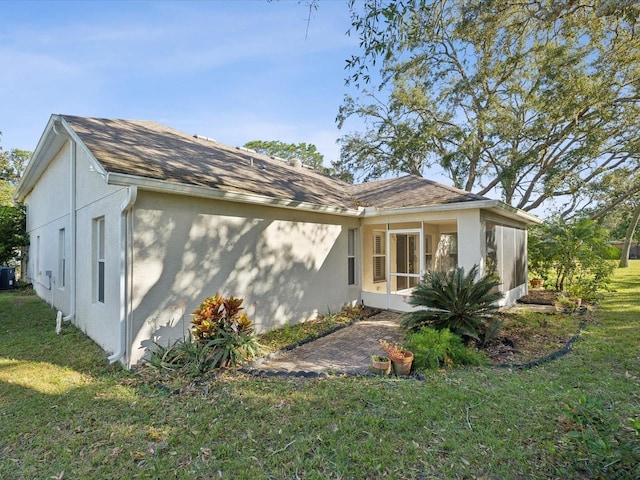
(231, 70)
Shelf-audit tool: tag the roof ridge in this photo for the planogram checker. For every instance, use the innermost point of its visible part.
(148, 149)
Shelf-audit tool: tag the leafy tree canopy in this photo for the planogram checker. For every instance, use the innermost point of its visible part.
(12, 165)
(307, 153)
(616, 205)
(12, 232)
(532, 99)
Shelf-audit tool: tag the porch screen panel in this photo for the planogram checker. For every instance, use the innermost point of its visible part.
(428, 252)
(506, 249)
(405, 264)
(447, 255)
(520, 237)
(509, 258)
(491, 261)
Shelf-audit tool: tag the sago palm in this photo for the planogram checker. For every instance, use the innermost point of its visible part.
(455, 301)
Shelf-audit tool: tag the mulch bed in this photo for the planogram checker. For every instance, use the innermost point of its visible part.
(523, 342)
(539, 297)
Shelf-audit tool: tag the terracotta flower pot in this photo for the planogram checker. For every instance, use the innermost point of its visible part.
(536, 282)
(402, 365)
(380, 365)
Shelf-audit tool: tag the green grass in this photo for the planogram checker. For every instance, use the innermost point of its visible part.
(63, 410)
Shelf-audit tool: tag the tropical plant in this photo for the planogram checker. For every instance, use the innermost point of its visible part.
(441, 348)
(379, 358)
(219, 325)
(221, 336)
(218, 313)
(575, 255)
(184, 354)
(457, 301)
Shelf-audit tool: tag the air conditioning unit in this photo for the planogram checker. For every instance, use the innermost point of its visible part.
(7, 278)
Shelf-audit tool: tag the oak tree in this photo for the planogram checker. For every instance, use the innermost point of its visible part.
(531, 99)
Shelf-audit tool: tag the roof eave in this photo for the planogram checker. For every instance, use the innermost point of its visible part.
(488, 204)
(164, 186)
(35, 167)
(514, 213)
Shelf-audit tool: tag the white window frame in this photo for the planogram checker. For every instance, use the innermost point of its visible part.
(379, 256)
(352, 271)
(62, 258)
(38, 252)
(429, 260)
(99, 260)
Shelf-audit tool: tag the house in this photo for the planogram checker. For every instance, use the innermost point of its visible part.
(132, 224)
(634, 248)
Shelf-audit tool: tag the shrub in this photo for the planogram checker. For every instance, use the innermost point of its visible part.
(186, 355)
(456, 301)
(227, 334)
(437, 348)
(218, 314)
(574, 256)
(222, 336)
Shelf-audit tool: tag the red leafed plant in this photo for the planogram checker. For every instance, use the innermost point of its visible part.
(226, 334)
(219, 313)
(393, 350)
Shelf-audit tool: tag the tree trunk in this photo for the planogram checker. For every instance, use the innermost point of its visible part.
(624, 258)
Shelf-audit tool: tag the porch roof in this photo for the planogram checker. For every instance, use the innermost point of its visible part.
(409, 191)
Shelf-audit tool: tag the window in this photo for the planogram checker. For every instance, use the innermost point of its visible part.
(379, 257)
(428, 252)
(351, 256)
(62, 258)
(448, 251)
(38, 256)
(99, 264)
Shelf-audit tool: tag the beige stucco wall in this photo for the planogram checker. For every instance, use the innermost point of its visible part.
(47, 213)
(471, 241)
(287, 265)
(49, 210)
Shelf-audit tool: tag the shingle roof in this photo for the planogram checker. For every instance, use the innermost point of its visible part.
(150, 150)
(409, 191)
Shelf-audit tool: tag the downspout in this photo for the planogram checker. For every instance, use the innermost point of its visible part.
(72, 227)
(125, 209)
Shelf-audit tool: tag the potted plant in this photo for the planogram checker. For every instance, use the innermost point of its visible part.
(536, 282)
(380, 364)
(566, 304)
(401, 359)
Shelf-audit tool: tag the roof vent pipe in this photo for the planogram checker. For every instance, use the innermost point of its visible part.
(202, 137)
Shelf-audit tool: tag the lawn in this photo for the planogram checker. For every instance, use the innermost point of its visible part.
(65, 414)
